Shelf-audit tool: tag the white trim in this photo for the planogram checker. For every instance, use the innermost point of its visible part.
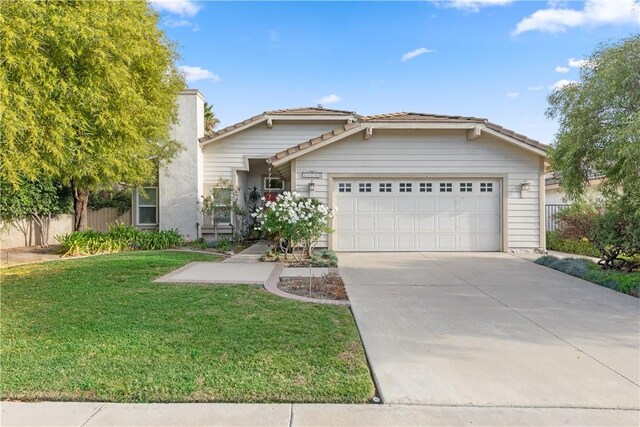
(138, 206)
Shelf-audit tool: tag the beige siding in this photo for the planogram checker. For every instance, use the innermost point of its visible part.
(220, 158)
(432, 153)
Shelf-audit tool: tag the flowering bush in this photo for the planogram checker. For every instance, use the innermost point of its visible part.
(295, 222)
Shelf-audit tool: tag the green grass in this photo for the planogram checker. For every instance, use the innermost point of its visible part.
(99, 329)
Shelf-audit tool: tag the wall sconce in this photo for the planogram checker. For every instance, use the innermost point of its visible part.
(312, 186)
(525, 186)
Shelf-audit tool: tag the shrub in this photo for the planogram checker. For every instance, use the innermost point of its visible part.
(555, 242)
(616, 234)
(120, 237)
(628, 283)
(324, 258)
(575, 221)
(294, 222)
(546, 260)
(224, 244)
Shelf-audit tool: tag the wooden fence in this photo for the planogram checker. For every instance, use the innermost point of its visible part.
(101, 219)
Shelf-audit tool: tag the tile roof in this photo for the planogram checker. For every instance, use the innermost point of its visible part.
(301, 111)
(311, 111)
(419, 117)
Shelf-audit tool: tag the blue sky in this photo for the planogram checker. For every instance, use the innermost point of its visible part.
(497, 59)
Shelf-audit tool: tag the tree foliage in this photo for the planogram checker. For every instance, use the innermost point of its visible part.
(210, 119)
(599, 120)
(87, 93)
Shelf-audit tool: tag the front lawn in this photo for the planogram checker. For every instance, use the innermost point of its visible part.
(99, 329)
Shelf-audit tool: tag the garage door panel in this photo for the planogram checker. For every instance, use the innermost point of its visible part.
(365, 205)
(385, 205)
(446, 205)
(461, 217)
(365, 224)
(386, 243)
(406, 223)
(366, 242)
(386, 224)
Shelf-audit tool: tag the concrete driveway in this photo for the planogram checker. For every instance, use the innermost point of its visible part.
(491, 329)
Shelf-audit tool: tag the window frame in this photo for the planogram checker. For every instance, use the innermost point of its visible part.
(425, 187)
(272, 189)
(344, 187)
(385, 187)
(486, 187)
(446, 187)
(364, 187)
(405, 187)
(466, 187)
(140, 205)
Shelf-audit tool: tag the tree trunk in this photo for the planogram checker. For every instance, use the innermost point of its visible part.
(80, 207)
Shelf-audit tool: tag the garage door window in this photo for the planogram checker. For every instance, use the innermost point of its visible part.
(486, 187)
(405, 187)
(385, 187)
(446, 187)
(466, 187)
(344, 187)
(425, 187)
(364, 187)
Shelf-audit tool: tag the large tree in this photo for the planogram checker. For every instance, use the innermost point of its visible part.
(87, 91)
(599, 119)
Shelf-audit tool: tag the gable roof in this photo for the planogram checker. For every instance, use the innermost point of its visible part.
(298, 112)
(414, 120)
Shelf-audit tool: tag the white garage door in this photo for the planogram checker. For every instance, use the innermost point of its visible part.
(417, 215)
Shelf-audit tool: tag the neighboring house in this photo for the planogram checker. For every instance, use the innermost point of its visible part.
(555, 196)
(401, 181)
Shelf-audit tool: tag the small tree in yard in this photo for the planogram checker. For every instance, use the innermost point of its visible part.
(38, 201)
(222, 201)
(599, 132)
(616, 233)
(87, 94)
(295, 222)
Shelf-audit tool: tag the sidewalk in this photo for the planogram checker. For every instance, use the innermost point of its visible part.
(286, 415)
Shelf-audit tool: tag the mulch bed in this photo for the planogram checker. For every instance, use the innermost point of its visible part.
(329, 286)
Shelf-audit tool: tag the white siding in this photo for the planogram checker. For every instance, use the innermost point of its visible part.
(432, 153)
(221, 157)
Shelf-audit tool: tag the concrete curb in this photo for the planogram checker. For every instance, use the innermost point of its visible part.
(271, 285)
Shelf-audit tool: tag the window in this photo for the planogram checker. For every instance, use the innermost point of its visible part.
(273, 184)
(364, 187)
(344, 187)
(425, 187)
(466, 187)
(222, 214)
(148, 206)
(486, 187)
(405, 187)
(446, 187)
(385, 187)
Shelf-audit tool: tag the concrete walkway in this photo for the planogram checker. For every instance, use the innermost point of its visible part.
(287, 415)
(491, 329)
(244, 267)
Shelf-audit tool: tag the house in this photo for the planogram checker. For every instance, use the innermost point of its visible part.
(400, 181)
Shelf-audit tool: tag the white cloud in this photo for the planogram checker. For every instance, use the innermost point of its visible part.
(329, 99)
(562, 83)
(560, 69)
(180, 23)
(410, 55)
(577, 63)
(195, 74)
(177, 7)
(595, 12)
(472, 5)
(536, 88)
(513, 94)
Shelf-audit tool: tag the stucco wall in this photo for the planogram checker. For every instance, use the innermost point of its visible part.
(180, 182)
(27, 233)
